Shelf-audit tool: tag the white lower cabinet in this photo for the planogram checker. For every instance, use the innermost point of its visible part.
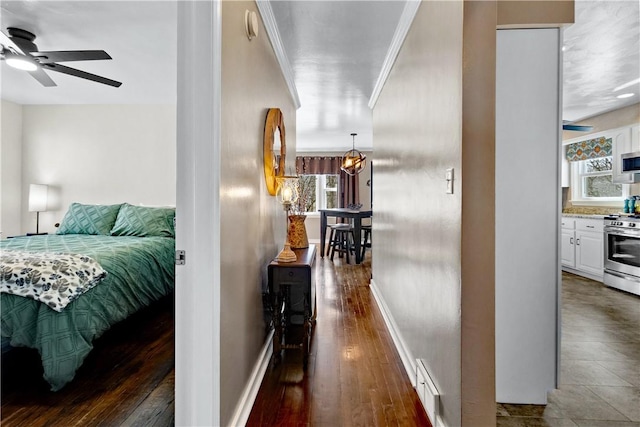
(582, 247)
(568, 254)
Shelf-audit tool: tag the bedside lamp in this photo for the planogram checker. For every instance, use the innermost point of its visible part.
(38, 201)
(287, 195)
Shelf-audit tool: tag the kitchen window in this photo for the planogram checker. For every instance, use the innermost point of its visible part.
(318, 192)
(592, 182)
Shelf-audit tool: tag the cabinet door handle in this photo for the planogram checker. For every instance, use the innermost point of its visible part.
(571, 240)
(591, 226)
(578, 242)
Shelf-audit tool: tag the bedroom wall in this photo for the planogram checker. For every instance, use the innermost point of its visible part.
(97, 154)
(10, 168)
(252, 223)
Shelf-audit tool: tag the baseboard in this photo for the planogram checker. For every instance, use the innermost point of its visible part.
(248, 397)
(405, 354)
(583, 274)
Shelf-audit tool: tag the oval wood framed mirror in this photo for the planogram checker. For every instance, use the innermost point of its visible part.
(275, 148)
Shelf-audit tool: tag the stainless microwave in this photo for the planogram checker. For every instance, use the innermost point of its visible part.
(631, 162)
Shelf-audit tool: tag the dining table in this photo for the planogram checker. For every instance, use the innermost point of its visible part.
(353, 215)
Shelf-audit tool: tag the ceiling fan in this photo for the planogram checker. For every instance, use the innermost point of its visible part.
(19, 51)
(567, 125)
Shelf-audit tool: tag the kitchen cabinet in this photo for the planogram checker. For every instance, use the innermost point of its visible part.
(624, 140)
(582, 247)
(567, 242)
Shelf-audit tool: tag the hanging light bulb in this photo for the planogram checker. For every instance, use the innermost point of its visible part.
(287, 192)
(353, 161)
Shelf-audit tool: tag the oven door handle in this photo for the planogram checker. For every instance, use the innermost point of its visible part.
(619, 232)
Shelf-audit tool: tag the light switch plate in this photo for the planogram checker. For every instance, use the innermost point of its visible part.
(449, 177)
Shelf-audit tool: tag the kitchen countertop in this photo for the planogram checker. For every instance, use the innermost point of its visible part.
(588, 216)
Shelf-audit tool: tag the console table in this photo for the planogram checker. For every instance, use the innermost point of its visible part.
(292, 293)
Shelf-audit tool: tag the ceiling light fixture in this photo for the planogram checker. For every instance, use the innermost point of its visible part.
(626, 85)
(353, 161)
(625, 95)
(20, 62)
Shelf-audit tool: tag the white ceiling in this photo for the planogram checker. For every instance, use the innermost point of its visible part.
(336, 50)
(140, 36)
(601, 53)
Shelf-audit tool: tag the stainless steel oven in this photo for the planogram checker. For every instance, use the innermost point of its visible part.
(622, 253)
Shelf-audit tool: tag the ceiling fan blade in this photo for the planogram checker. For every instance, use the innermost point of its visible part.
(577, 128)
(70, 55)
(6, 41)
(42, 77)
(82, 74)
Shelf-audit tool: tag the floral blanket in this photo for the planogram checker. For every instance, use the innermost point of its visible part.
(55, 279)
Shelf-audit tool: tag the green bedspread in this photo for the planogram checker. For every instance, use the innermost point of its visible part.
(140, 271)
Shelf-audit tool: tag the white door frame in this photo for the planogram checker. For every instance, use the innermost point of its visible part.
(197, 303)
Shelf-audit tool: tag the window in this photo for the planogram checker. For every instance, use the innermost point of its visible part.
(592, 181)
(318, 192)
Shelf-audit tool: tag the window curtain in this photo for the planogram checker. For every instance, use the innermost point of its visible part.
(589, 149)
(316, 165)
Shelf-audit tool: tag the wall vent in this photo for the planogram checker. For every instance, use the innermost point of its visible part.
(428, 393)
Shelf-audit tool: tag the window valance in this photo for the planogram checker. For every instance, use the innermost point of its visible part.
(589, 149)
(316, 165)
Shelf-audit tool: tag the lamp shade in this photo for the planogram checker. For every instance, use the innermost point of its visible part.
(38, 197)
(287, 192)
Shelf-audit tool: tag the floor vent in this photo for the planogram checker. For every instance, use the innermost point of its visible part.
(428, 393)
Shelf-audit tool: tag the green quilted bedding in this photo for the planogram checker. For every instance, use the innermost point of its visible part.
(140, 270)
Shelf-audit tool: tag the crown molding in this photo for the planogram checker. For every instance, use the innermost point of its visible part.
(271, 27)
(406, 19)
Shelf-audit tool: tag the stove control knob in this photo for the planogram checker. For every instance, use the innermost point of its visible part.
(632, 224)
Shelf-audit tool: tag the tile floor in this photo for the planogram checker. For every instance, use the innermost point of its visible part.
(600, 366)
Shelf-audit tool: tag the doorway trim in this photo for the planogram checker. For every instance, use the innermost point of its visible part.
(197, 303)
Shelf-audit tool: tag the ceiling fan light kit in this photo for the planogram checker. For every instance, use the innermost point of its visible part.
(353, 161)
(19, 51)
(20, 62)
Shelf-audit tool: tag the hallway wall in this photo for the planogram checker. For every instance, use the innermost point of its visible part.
(417, 135)
(435, 254)
(252, 223)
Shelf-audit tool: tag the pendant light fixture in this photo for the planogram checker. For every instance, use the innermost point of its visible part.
(353, 161)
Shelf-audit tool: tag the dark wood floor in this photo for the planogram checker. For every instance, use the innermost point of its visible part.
(355, 376)
(128, 379)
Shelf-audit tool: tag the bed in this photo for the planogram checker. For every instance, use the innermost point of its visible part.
(137, 253)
